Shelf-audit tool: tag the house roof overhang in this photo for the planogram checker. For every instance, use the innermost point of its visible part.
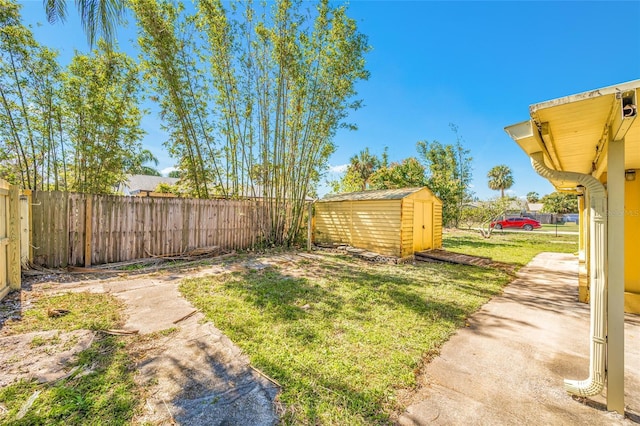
(573, 132)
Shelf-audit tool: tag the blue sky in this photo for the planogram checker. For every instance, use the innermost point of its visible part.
(476, 64)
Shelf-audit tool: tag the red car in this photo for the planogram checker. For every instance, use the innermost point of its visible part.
(517, 222)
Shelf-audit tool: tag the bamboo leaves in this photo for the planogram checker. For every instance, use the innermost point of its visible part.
(252, 96)
(28, 112)
(67, 129)
(102, 119)
(174, 75)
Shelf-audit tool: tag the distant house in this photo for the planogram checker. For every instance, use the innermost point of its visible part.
(534, 211)
(143, 185)
(516, 207)
(534, 207)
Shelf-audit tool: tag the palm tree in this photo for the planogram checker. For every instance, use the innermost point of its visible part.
(136, 164)
(99, 17)
(500, 178)
(364, 165)
(533, 197)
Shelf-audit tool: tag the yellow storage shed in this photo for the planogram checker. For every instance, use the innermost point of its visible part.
(391, 222)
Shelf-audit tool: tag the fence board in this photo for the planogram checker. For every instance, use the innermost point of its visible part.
(127, 228)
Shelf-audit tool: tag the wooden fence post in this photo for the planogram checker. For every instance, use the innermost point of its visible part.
(309, 226)
(26, 254)
(88, 218)
(14, 238)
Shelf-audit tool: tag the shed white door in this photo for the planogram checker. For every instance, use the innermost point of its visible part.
(422, 225)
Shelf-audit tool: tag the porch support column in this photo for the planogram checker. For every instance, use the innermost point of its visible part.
(615, 277)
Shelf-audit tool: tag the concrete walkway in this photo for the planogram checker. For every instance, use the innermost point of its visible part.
(193, 375)
(508, 366)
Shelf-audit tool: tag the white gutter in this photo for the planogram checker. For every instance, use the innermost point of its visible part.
(594, 384)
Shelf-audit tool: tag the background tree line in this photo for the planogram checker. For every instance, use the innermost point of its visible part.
(443, 168)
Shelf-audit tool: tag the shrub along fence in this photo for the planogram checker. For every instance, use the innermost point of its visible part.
(85, 229)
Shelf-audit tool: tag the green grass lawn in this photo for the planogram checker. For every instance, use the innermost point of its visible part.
(561, 227)
(342, 335)
(515, 248)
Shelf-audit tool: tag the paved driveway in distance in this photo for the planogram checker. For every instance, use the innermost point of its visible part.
(507, 367)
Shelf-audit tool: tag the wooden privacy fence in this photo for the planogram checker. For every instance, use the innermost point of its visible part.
(9, 238)
(84, 229)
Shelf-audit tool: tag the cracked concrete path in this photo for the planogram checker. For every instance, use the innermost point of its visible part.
(508, 366)
(192, 374)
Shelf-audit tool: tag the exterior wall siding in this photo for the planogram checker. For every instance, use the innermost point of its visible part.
(632, 246)
(333, 223)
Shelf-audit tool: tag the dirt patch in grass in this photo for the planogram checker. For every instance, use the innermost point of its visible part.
(57, 367)
(43, 356)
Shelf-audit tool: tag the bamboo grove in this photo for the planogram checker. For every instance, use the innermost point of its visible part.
(75, 128)
(252, 95)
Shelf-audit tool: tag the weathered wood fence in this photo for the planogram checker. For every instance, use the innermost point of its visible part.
(84, 229)
(9, 238)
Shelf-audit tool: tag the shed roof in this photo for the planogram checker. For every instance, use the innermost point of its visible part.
(379, 194)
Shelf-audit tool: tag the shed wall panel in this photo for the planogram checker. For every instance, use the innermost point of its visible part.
(371, 225)
(333, 223)
(383, 226)
(406, 230)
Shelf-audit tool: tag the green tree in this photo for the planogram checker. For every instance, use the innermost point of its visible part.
(533, 197)
(170, 65)
(99, 18)
(165, 188)
(102, 119)
(137, 164)
(560, 202)
(292, 73)
(409, 173)
(177, 174)
(362, 167)
(500, 178)
(448, 175)
(74, 129)
(349, 182)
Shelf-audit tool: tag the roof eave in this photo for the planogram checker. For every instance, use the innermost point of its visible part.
(535, 135)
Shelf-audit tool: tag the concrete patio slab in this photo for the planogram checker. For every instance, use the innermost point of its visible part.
(507, 367)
